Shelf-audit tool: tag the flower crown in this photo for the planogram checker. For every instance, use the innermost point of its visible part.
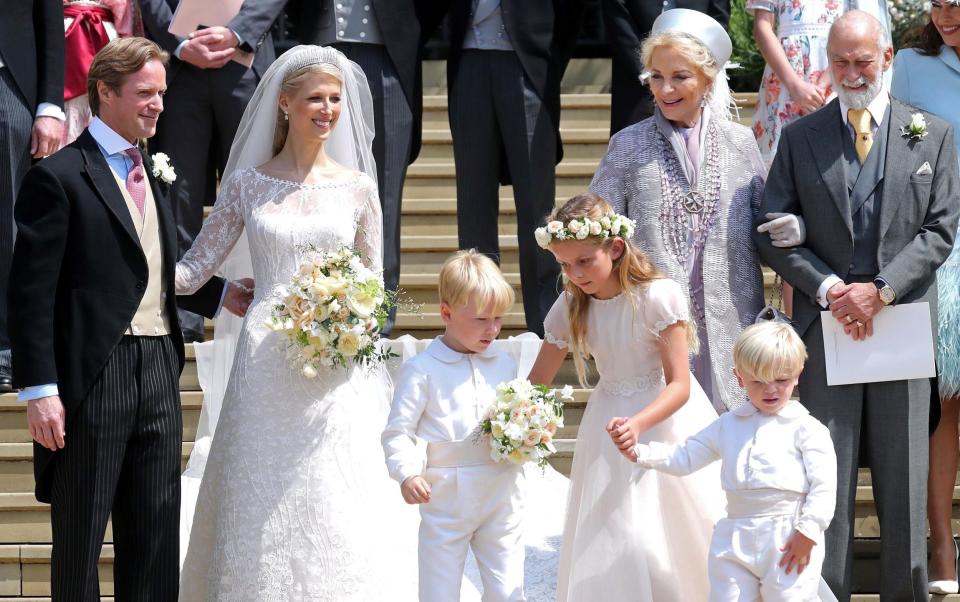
(610, 224)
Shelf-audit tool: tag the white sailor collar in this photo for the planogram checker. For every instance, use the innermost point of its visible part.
(792, 409)
(441, 352)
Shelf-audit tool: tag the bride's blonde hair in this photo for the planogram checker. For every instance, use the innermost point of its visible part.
(291, 83)
(633, 268)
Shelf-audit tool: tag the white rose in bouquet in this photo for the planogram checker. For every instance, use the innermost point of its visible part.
(522, 421)
(349, 342)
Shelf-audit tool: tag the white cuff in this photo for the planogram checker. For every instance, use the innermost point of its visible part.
(48, 109)
(810, 528)
(179, 47)
(825, 286)
(38, 391)
(644, 455)
(223, 296)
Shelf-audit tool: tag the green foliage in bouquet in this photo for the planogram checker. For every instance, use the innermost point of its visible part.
(332, 311)
(523, 420)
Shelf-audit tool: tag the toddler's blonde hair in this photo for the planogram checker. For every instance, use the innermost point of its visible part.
(769, 351)
(469, 272)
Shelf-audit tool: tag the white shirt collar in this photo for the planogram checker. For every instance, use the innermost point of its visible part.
(792, 409)
(108, 139)
(877, 107)
(439, 350)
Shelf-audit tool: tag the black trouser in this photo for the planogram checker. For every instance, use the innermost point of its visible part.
(122, 456)
(393, 121)
(16, 124)
(495, 111)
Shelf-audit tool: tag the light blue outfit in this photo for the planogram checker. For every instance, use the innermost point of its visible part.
(932, 83)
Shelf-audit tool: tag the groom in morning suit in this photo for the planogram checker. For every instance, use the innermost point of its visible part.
(881, 209)
(95, 337)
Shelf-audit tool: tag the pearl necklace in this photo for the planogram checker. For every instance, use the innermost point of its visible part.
(692, 211)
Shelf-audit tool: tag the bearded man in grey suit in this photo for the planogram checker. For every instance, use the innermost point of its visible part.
(881, 209)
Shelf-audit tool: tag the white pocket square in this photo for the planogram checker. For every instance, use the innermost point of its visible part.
(925, 169)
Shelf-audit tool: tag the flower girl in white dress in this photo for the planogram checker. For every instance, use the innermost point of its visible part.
(628, 535)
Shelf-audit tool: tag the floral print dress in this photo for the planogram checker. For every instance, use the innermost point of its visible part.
(802, 26)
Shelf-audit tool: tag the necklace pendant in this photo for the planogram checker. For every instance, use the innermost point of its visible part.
(693, 203)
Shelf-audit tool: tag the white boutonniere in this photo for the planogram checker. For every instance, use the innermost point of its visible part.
(162, 170)
(917, 129)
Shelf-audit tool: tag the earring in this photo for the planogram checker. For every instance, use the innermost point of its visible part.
(286, 117)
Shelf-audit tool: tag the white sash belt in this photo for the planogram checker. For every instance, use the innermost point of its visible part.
(763, 502)
(452, 454)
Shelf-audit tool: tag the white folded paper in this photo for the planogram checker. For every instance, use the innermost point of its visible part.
(901, 347)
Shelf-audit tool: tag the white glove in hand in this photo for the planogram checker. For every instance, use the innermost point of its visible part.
(785, 229)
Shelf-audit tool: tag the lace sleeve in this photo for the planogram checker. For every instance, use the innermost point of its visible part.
(369, 238)
(219, 233)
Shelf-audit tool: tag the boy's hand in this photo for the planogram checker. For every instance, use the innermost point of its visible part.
(796, 552)
(415, 490)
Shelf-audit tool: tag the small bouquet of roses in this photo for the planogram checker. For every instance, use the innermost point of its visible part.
(523, 420)
(332, 311)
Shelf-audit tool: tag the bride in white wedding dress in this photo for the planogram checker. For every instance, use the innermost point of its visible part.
(295, 502)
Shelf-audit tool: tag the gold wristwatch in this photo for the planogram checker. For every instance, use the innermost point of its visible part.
(887, 294)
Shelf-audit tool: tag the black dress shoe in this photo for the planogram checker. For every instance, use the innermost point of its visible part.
(6, 384)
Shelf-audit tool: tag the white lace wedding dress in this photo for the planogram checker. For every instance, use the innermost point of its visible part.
(295, 501)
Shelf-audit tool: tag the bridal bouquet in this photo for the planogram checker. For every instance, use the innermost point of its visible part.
(523, 420)
(331, 312)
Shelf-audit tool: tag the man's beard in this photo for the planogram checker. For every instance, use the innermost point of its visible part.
(860, 99)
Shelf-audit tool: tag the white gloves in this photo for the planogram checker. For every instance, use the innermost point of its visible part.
(785, 229)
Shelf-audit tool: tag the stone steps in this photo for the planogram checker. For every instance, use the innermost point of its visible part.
(429, 235)
(25, 573)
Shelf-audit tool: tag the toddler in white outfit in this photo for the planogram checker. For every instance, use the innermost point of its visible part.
(779, 471)
(467, 500)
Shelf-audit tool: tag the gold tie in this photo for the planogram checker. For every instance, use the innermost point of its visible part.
(860, 120)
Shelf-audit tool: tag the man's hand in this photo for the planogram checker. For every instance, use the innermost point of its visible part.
(835, 291)
(785, 229)
(209, 48)
(46, 417)
(856, 307)
(415, 490)
(239, 296)
(796, 552)
(46, 136)
(216, 38)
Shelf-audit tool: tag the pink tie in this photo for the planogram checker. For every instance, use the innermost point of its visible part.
(136, 183)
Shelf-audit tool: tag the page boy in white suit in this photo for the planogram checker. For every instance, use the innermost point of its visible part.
(467, 500)
(779, 471)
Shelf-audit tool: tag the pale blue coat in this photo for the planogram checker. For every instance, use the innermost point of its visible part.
(932, 83)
